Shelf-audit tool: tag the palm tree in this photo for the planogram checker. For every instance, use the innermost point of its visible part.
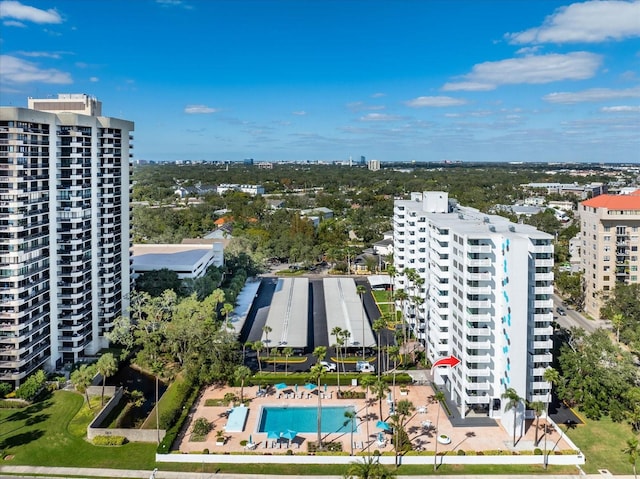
(378, 325)
(394, 353)
(513, 401)
(337, 332)
(266, 330)
(391, 271)
(257, 347)
(380, 389)
(617, 320)
(107, 366)
(227, 309)
(551, 376)
(361, 290)
(369, 468)
(537, 407)
(401, 295)
(81, 379)
(242, 373)
(365, 383)
(288, 352)
(317, 371)
(350, 415)
(403, 410)
(346, 334)
(632, 451)
(439, 397)
(157, 368)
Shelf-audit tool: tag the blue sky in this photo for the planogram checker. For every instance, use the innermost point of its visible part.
(401, 80)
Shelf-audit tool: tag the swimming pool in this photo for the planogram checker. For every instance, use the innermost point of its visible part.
(304, 419)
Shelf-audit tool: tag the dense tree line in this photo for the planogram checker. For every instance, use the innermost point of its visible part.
(598, 377)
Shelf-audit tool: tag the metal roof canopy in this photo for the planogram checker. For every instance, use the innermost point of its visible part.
(344, 310)
(288, 314)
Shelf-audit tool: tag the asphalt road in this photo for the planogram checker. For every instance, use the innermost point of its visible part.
(574, 319)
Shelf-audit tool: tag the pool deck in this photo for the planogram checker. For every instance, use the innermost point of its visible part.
(420, 427)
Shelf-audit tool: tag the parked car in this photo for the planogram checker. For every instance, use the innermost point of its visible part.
(365, 367)
(561, 311)
(329, 367)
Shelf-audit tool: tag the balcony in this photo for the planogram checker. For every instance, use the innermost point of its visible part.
(486, 276)
(479, 248)
(479, 373)
(479, 262)
(546, 345)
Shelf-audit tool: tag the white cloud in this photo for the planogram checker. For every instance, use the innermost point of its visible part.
(16, 70)
(199, 109)
(18, 11)
(94, 79)
(357, 106)
(528, 50)
(378, 95)
(13, 23)
(54, 55)
(621, 109)
(174, 3)
(593, 94)
(378, 117)
(299, 113)
(530, 69)
(467, 86)
(434, 101)
(594, 21)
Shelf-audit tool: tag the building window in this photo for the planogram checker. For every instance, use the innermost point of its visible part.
(606, 258)
(605, 278)
(634, 279)
(607, 238)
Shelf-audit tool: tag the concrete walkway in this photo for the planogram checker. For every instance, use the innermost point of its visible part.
(86, 473)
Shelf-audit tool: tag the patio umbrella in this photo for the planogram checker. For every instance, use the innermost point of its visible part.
(295, 387)
(281, 386)
(273, 435)
(289, 434)
(250, 439)
(325, 388)
(310, 386)
(383, 425)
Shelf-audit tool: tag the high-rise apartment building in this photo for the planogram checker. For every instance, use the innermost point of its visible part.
(64, 231)
(478, 287)
(610, 232)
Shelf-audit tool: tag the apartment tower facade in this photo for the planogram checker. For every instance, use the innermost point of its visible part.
(610, 232)
(64, 231)
(478, 288)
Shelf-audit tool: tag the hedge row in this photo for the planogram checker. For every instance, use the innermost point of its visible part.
(331, 379)
(109, 440)
(181, 414)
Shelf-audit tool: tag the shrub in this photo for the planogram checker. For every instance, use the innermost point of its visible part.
(537, 451)
(172, 432)
(109, 440)
(202, 427)
(13, 404)
(461, 452)
(5, 388)
(32, 386)
(205, 451)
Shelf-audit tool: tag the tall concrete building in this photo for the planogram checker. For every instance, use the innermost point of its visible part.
(64, 231)
(478, 288)
(610, 232)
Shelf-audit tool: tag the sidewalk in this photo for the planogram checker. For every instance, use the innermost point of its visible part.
(73, 472)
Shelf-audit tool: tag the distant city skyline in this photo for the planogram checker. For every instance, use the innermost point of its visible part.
(458, 80)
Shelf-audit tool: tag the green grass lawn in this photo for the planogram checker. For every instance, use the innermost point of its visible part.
(602, 443)
(40, 435)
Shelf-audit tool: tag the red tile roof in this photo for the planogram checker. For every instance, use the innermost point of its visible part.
(615, 202)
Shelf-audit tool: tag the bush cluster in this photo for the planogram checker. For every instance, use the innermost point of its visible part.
(109, 440)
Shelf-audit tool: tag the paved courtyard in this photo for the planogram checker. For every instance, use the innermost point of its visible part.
(420, 427)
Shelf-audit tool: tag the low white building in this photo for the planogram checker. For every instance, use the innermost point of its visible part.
(252, 190)
(187, 260)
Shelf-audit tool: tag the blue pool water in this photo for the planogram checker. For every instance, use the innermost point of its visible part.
(304, 419)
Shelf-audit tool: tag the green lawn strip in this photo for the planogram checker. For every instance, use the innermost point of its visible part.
(166, 402)
(602, 443)
(340, 469)
(39, 435)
